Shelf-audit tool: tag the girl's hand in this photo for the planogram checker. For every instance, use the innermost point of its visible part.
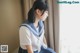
(29, 48)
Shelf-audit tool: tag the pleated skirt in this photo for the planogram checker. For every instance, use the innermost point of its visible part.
(43, 50)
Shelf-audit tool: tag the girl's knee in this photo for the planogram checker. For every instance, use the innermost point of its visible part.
(51, 50)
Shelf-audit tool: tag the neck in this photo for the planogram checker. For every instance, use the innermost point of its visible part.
(36, 22)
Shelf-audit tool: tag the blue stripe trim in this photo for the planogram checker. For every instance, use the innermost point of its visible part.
(33, 31)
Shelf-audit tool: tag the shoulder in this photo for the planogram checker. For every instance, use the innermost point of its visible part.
(24, 30)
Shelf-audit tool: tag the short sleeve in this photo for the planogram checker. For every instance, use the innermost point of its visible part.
(24, 36)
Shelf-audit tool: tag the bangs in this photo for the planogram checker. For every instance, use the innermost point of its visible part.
(40, 5)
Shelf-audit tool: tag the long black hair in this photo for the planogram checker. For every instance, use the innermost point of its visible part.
(38, 4)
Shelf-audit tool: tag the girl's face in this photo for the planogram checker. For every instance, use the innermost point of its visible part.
(42, 16)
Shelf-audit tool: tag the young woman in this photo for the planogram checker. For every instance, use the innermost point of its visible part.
(31, 32)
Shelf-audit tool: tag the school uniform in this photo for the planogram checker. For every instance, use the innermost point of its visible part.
(29, 35)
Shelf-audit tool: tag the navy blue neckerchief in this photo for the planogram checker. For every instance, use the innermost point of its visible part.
(32, 28)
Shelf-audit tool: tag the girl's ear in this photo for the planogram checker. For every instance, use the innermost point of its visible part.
(38, 12)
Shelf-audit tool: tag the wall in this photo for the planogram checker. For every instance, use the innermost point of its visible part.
(10, 19)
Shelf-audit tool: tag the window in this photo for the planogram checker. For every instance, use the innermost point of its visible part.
(69, 28)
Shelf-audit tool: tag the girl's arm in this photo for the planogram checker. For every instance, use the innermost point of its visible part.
(44, 40)
(29, 48)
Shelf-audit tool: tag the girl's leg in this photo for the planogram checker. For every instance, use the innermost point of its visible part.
(47, 50)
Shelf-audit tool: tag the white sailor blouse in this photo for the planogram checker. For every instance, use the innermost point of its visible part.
(29, 35)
